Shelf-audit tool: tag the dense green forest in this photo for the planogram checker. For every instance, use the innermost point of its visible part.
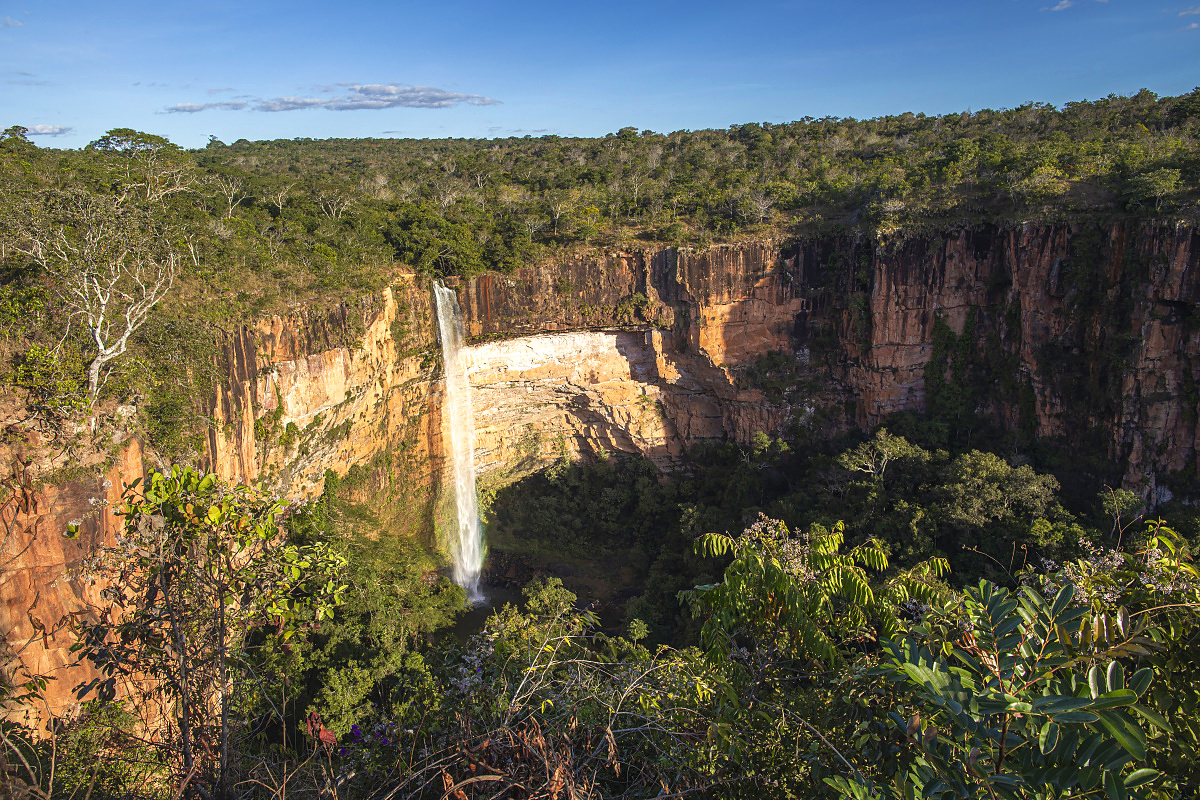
(894, 614)
(881, 620)
(255, 227)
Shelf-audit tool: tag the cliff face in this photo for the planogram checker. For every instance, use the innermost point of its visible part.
(331, 391)
(697, 317)
(1084, 337)
(352, 387)
(40, 588)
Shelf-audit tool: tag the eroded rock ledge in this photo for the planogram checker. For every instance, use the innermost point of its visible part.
(1086, 336)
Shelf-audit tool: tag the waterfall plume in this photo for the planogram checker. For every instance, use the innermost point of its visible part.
(467, 548)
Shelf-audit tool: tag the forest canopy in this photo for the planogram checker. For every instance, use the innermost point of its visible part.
(921, 611)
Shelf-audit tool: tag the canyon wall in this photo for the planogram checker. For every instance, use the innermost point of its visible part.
(334, 389)
(352, 387)
(1086, 338)
(1083, 337)
(659, 368)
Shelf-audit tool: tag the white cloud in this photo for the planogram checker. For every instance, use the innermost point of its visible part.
(1062, 6)
(288, 103)
(192, 108)
(397, 95)
(1191, 27)
(1187, 12)
(218, 91)
(48, 130)
(361, 97)
(9, 22)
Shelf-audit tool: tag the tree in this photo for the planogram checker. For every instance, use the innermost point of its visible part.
(795, 594)
(873, 457)
(200, 572)
(1119, 505)
(760, 204)
(278, 195)
(15, 139)
(110, 262)
(1018, 696)
(560, 203)
(333, 202)
(1156, 184)
(983, 487)
(151, 167)
(232, 188)
(543, 704)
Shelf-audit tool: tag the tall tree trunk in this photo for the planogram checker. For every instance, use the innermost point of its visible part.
(222, 788)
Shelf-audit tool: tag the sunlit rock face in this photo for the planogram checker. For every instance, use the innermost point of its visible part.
(657, 373)
(538, 398)
(42, 588)
(1087, 333)
(323, 389)
(320, 391)
(1085, 336)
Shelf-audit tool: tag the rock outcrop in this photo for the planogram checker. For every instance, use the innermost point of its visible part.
(330, 391)
(352, 387)
(1085, 336)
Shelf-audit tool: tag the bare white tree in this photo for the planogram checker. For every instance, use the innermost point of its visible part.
(532, 221)
(560, 203)
(110, 266)
(279, 195)
(447, 191)
(760, 204)
(406, 190)
(333, 202)
(375, 186)
(636, 179)
(654, 156)
(232, 189)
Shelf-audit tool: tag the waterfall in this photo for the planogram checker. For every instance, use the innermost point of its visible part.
(467, 549)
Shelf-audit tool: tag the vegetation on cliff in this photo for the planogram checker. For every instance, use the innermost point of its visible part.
(92, 240)
(1018, 650)
(918, 612)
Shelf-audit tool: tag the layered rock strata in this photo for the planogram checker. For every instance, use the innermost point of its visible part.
(1080, 335)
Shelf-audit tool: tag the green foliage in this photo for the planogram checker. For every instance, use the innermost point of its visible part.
(1154, 185)
(53, 378)
(253, 226)
(983, 488)
(99, 752)
(801, 596)
(22, 309)
(564, 708)
(175, 366)
(775, 374)
(365, 663)
(198, 569)
(828, 669)
(1018, 699)
(611, 505)
(1157, 585)
(873, 456)
(632, 309)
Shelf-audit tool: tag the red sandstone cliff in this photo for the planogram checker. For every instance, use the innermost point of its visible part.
(1098, 330)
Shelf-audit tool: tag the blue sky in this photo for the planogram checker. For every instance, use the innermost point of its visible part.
(72, 69)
